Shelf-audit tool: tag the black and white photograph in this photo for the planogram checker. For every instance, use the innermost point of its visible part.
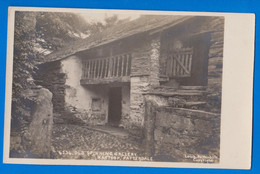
(111, 86)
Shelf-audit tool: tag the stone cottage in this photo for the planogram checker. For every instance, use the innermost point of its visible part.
(108, 77)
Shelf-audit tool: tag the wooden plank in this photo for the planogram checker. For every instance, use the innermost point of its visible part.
(129, 64)
(170, 67)
(92, 68)
(183, 61)
(126, 66)
(174, 67)
(105, 81)
(187, 61)
(96, 68)
(112, 67)
(105, 68)
(118, 66)
(108, 64)
(193, 87)
(115, 66)
(83, 68)
(190, 61)
(101, 68)
(181, 65)
(122, 65)
(86, 69)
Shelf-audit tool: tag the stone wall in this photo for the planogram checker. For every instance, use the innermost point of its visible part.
(179, 134)
(51, 77)
(215, 67)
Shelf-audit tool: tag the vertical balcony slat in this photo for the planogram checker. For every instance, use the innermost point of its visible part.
(102, 69)
(182, 61)
(89, 69)
(105, 67)
(110, 65)
(187, 61)
(99, 67)
(126, 66)
(83, 68)
(113, 67)
(117, 66)
(129, 64)
(95, 70)
(86, 69)
(170, 71)
(174, 67)
(190, 61)
(122, 65)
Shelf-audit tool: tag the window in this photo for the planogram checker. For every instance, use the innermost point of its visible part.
(96, 104)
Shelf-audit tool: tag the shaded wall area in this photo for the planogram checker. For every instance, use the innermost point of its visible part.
(89, 103)
(206, 37)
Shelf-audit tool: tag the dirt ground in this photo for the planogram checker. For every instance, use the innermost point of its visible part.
(95, 143)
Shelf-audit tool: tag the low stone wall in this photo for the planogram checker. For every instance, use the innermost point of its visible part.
(215, 63)
(181, 135)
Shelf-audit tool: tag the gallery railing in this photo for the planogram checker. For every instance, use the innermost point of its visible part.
(102, 68)
(179, 63)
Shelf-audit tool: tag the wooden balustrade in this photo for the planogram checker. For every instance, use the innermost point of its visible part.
(179, 63)
(113, 67)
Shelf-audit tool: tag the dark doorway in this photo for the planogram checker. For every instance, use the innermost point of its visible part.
(115, 106)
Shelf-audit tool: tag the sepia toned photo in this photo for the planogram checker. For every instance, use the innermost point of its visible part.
(116, 86)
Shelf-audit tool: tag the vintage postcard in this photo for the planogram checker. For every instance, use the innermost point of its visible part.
(129, 88)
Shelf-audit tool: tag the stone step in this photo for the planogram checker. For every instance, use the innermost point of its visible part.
(194, 103)
(193, 87)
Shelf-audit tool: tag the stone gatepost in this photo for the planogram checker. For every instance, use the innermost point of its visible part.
(40, 128)
(144, 76)
(155, 61)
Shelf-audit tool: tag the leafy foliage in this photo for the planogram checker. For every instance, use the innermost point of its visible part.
(98, 26)
(37, 34)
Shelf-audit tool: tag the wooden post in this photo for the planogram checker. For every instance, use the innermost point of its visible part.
(174, 67)
(95, 69)
(86, 69)
(118, 66)
(110, 65)
(89, 69)
(122, 65)
(126, 66)
(92, 69)
(190, 61)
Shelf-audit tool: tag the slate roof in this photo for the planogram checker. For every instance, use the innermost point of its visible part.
(146, 23)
